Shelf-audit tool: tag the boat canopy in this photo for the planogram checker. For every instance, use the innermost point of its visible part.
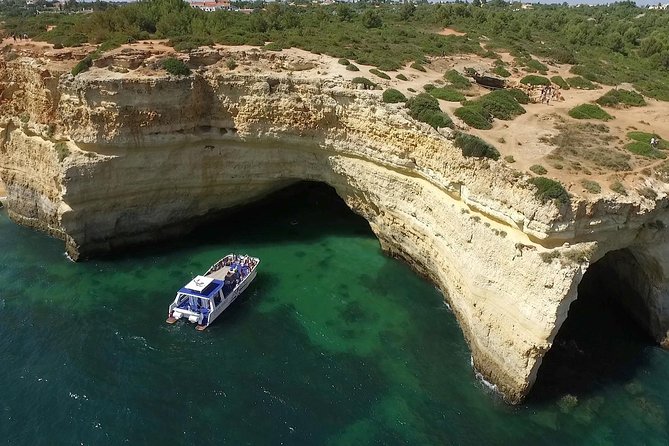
(203, 287)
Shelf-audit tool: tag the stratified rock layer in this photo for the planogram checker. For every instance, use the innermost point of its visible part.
(108, 159)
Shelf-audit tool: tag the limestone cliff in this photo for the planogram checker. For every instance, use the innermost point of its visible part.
(110, 158)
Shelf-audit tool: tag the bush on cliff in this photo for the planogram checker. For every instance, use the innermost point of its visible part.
(392, 96)
(425, 108)
(175, 67)
(473, 146)
(83, 65)
(548, 189)
(369, 85)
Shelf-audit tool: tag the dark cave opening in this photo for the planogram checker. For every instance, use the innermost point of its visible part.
(603, 339)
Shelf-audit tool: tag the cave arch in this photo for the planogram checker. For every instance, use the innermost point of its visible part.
(620, 309)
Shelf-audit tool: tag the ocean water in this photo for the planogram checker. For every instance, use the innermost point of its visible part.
(333, 344)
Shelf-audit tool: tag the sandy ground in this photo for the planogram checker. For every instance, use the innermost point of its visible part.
(520, 138)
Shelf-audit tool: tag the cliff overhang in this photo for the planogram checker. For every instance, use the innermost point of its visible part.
(110, 158)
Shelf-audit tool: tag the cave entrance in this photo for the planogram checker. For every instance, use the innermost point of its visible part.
(603, 339)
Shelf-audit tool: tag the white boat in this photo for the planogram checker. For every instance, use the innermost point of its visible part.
(205, 297)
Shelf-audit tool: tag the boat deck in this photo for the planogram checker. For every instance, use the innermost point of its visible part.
(220, 274)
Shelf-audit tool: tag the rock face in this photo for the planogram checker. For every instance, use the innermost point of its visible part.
(109, 159)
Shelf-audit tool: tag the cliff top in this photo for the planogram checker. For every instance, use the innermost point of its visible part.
(592, 158)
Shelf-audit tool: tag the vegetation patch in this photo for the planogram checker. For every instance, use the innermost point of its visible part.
(533, 79)
(509, 159)
(473, 118)
(501, 71)
(618, 188)
(591, 186)
(425, 108)
(519, 95)
(585, 145)
(379, 73)
(393, 96)
(351, 67)
(531, 65)
(402, 77)
(473, 146)
(538, 169)
(548, 189)
(62, 151)
(83, 65)
(581, 83)
(428, 87)
(457, 80)
(560, 82)
(418, 66)
(369, 85)
(645, 149)
(589, 111)
(646, 137)
(343, 61)
(175, 67)
(447, 94)
(617, 97)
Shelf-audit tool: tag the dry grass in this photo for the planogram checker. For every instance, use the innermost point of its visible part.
(582, 147)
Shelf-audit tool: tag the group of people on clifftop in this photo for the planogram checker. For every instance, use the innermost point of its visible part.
(20, 36)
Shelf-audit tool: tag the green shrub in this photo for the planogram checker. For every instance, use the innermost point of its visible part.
(509, 159)
(646, 137)
(538, 169)
(425, 108)
(519, 95)
(392, 96)
(344, 62)
(175, 67)
(618, 187)
(184, 44)
(411, 90)
(447, 94)
(428, 87)
(457, 80)
(535, 65)
(533, 79)
(548, 189)
(645, 149)
(401, 77)
(61, 151)
(625, 97)
(473, 146)
(231, 64)
(418, 66)
(500, 104)
(591, 186)
(581, 83)
(501, 71)
(378, 73)
(560, 82)
(589, 111)
(83, 65)
(273, 46)
(473, 118)
(364, 81)
(351, 67)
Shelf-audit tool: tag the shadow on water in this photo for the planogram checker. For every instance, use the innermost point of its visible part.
(599, 343)
(303, 211)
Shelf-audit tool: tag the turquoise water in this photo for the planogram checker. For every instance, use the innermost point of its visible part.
(333, 343)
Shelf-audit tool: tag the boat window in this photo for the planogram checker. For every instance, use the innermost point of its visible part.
(217, 298)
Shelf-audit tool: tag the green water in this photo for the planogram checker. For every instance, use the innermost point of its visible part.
(332, 344)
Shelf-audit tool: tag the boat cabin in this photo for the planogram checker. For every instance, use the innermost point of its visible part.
(199, 298)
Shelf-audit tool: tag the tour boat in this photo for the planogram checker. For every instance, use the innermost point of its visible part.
(205, 297)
